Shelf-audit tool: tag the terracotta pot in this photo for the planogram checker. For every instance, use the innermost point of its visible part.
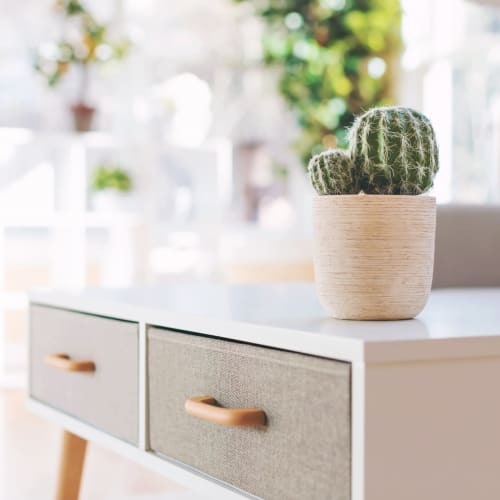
(374, 255)
(82, 117)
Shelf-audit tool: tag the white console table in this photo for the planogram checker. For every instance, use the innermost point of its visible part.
(352, 410)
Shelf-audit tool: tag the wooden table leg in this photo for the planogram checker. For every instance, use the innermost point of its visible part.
(71, 466)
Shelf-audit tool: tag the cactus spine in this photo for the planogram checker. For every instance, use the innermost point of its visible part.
(394, 151)
(332, 172)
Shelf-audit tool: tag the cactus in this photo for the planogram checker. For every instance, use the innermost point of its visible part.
(394, 151)
(332, 172)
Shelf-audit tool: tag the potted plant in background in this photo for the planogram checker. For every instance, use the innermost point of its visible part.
(336, 59)
(85, 43)
(373, 231)
(111, 186)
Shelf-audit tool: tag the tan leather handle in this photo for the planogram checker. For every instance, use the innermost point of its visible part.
(65, 363)
(205, 407)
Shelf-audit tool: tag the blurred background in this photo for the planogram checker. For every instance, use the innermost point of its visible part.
(147, 142)
(153, 142)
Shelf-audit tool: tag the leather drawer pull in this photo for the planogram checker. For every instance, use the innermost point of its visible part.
(205, 407)
(65, 363)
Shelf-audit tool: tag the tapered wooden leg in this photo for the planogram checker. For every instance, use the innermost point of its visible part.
(71, 466)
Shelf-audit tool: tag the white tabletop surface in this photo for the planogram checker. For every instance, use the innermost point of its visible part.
(456, 323)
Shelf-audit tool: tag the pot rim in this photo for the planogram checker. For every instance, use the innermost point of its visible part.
(373, 196)
(81, 107)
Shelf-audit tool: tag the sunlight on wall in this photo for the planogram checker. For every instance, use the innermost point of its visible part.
(33, 191)
(437, 105)
(187, 100)
(451, 71)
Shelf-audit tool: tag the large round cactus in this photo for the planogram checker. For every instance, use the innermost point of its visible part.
(332, 172)
(394, 151)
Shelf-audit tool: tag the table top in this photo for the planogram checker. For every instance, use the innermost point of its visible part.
(456, 323)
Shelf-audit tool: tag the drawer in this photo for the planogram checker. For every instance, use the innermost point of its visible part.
(303, 451)
(106, 397)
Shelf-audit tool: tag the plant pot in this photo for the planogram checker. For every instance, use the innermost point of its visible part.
(374, 254)
(111, 201)
(83, 116)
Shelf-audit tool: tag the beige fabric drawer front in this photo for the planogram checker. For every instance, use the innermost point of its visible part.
(106, 398)
(302, 453)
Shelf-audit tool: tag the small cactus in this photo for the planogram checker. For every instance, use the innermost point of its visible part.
(394, 151)
(332, 172)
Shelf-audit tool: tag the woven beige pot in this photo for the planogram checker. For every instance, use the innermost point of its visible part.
(374, 255)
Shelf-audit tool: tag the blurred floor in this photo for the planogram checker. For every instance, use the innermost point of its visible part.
(29, 448)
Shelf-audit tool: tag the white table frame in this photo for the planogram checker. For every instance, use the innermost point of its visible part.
(412, 381)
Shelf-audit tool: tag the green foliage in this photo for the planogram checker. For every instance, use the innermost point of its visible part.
(111, 177)
(70, 7)
(393, 151)
(336, 57)
(332, 172)
(91, 44)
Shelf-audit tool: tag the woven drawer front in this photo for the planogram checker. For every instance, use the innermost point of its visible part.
(304, 450)
(106, 398)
